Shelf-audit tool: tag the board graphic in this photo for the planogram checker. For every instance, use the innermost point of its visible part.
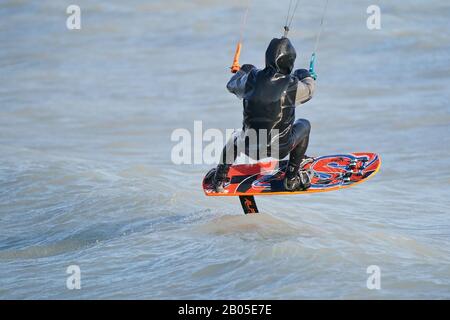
(329, 173)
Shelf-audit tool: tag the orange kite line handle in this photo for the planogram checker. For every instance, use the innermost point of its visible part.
(236, 66)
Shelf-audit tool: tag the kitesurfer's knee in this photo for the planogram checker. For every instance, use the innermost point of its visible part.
(304, 127)
(300, 134)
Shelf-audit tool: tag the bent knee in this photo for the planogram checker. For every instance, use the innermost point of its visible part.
(305, 124)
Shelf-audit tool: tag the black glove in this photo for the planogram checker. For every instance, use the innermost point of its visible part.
(302, 74)
(247, 68)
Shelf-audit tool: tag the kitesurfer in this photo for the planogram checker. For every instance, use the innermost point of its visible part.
(269, 98)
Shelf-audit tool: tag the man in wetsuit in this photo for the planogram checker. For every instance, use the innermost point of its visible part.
(270, 96)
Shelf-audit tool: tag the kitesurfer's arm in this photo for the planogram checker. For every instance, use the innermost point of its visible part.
(305, 87)
(237, 83)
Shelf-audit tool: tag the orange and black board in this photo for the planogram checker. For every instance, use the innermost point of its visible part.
(328, 173)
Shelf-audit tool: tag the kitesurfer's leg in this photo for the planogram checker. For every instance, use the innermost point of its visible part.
(295, 179)
(300, 136)
(229, 155)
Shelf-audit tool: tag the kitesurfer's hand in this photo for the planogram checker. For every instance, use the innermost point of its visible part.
(247, 68)
(303, 73)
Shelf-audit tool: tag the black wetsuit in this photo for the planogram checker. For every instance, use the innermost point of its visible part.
(269, 98)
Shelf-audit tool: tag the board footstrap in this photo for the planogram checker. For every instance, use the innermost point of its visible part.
(248, 204)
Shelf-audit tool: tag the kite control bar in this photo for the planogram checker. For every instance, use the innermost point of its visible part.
(312, 63)
(236, 66)
(312, 66)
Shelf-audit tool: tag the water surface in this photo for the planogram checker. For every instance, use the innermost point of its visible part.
(86, 176)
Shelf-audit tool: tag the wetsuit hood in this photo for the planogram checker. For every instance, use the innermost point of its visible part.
(280, 56)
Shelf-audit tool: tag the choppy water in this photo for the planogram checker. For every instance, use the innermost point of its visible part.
(86, 176)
